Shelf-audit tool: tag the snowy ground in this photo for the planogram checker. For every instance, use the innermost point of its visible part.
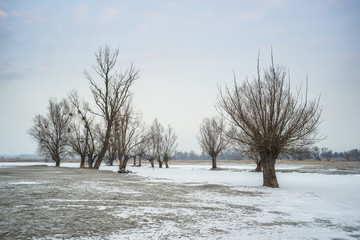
(182, 202)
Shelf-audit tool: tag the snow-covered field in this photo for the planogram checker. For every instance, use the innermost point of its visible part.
(191, 202)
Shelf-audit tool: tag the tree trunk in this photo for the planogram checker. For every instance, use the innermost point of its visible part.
(258, 166)
(104, 148)
(166, 160)
(57, 161)
(269, 176)
(123, 164)
(213, 161)
(140, 161)
(82, 161)
(152, 163)
(134, 157)
(90, 160)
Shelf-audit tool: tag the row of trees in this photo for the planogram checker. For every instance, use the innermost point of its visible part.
(315, 153)
(263, 119)
(113, 130)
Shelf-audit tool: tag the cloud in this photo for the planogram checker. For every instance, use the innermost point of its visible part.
(276, 3)
(248, 16)
(29, 17)
(81, 12)
(3, 14)
(109, 15)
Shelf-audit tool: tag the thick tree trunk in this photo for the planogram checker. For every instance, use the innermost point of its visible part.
(213, 161)
(82, 161)
(166, 162)
(160, 163)
(152, 163)
(134, 157)
(57, 161)
(123, 164)
(269, 176)
(104, 148)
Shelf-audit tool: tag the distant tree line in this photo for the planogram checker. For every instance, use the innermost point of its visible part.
(315, 153)
(228, 154)
(110, 129)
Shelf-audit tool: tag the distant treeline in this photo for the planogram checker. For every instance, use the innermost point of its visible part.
(315, 153)
(320, 154)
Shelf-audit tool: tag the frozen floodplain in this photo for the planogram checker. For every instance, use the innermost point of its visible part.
(182, 202)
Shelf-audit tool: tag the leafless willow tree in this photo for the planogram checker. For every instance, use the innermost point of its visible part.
(52, 131)
(131, 132)
(269, 118)
(212, 137)
(169, 145)
(110, 92)
(82, 137)
(157, 138)
(141, 148)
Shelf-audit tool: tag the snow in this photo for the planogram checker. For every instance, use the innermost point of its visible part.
(329, 201)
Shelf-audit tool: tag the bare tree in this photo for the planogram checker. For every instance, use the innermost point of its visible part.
(326, 153)
(130, 133)
(157, 138)
(169, 145)
(269, 118)
(51, 132)
(141, 148)
(110, 93)
(212, 137)
(316, 151)
(82, 136)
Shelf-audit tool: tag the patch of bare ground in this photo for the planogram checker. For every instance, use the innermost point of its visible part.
(39, 202)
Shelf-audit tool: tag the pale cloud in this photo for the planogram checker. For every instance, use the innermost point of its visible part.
(248, 16)
(109, 14)
(30, 17)
(3, 14)
(81, 12)
(277, 3)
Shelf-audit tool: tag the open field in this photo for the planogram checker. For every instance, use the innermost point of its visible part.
(187, 201)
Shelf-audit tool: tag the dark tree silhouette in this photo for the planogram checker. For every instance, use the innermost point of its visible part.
(110, 92)
(267, 117)
(51, 132)
(212, 137)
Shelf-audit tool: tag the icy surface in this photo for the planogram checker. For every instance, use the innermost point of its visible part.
(182, 202)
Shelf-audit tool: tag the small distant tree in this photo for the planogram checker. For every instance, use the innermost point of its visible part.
(212, 137)
(130, 132)
(141, 148)
(354, 154)
(51, 132)
(82, 136)
(326, 153)
(169, 145)
(157, 138)
(268, 117)
(316, 152)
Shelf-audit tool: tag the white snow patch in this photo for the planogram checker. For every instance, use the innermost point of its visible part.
(331, 202)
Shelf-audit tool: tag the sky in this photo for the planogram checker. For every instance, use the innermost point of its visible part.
(184, 51)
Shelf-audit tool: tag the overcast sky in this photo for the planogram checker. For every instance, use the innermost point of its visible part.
(184, 50)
